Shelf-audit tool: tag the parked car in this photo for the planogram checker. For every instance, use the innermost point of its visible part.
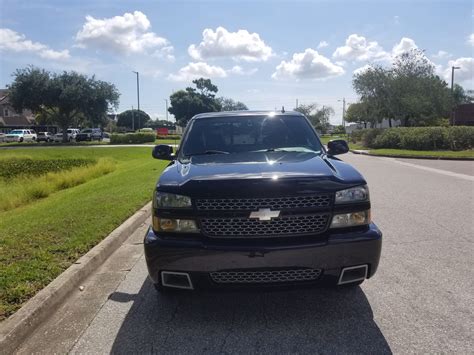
(44, 137)
(90, 134)
(254, 199)
(2, 137)
(21, 135)
(71, 135)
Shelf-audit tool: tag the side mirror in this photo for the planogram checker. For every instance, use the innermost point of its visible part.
(337, 146)
(163, 152)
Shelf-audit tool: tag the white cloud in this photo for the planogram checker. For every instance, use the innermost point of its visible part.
(125, 34)
(442, 55)
(323, 44)
(198, 70)
(238, 70)
(358, 48)
(16, 42)
(362, 69)
(237, 45)
(405, 45)
(470, 39)
(465, 71)
(307, 65)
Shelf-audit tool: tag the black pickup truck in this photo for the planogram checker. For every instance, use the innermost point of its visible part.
(253, 198)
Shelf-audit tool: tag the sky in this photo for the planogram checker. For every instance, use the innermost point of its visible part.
(267, 54)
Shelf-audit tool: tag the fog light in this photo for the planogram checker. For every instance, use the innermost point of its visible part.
(351, 219)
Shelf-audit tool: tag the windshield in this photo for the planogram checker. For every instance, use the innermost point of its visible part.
(228, 135)
(87, 130)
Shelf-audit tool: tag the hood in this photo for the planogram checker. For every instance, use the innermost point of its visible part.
(252, 171)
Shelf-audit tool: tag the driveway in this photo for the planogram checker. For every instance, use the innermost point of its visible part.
(420, 301)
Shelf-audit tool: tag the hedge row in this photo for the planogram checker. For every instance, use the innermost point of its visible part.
(132, 138)
(13, 167)
(416, 138)
(168, 136)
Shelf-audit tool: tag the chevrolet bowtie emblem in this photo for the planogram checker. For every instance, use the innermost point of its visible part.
(264, 214)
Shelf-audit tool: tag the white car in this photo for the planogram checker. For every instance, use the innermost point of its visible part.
(21, 135)
(71, 135)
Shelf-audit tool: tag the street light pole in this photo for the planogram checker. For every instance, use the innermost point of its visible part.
(166, 100)
(343, 111)
(138, 96)
(133, 120)
(453, 68)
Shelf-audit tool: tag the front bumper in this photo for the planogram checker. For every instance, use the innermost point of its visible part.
(201, 257)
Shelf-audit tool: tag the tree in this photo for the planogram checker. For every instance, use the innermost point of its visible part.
(408, 91)
(184, 104)
(319, 117)
(133, 119)
(360, 112)
(64, 99)
(227, 104)
(460, 96)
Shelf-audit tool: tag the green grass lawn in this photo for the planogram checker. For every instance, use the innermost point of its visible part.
(41, 239)
(424, 153)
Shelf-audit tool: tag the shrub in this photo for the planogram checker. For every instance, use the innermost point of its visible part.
(168, 136)
(14, 167)
(417, 138)
(390, 138)
(132, 138)
(370, 135)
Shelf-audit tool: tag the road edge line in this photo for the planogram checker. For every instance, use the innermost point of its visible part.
(35, 311)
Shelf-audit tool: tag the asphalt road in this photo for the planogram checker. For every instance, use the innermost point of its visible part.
(420, 301)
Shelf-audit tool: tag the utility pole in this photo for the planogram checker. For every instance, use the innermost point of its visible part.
(166, 100)
(138, 89)
(133, 120)
(453, 119)
(296, 103)
(343, 110)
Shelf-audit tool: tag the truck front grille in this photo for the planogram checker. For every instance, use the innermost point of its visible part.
(237, 227)
(265, 276)
(274, 203)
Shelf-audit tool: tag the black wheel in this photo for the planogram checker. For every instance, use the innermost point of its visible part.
(21, 139)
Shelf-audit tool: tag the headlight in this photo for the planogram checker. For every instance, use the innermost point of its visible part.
(167, 200)
(175, 225)
(350, 219)
(354, 194)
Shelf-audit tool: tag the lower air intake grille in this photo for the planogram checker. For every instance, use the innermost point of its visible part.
(265, 276)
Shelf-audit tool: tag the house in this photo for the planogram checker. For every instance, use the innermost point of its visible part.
(10, 119)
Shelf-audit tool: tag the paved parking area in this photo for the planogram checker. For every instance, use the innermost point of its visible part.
(420, 301)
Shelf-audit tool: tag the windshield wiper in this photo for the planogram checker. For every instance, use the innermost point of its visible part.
(209, 152)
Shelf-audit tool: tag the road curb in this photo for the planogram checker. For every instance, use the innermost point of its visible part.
(37, 309)
(362, 152)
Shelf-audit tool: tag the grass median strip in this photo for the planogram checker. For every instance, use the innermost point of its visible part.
(41, 239)
(465, 154)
